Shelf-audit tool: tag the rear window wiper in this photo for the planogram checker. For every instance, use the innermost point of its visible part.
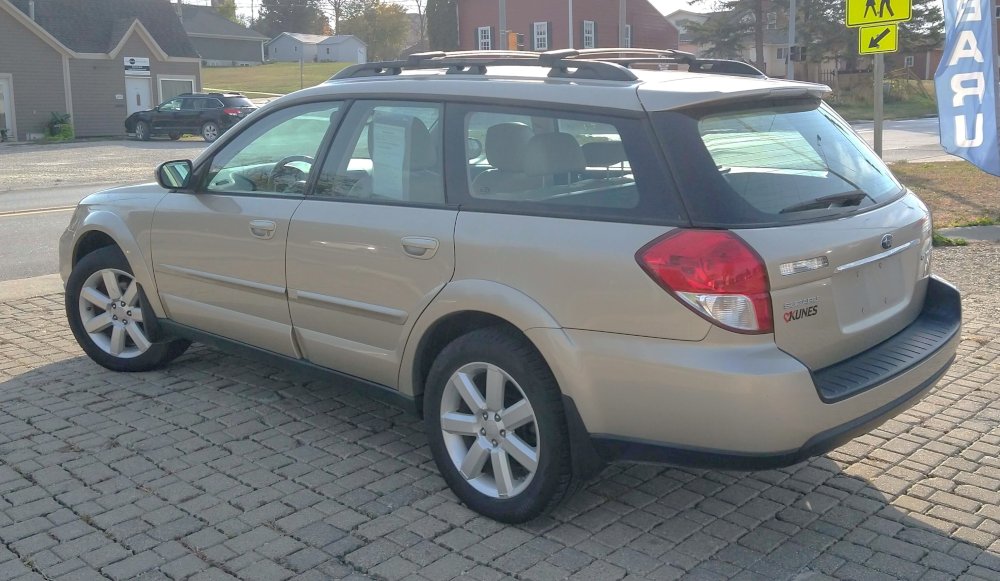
(852, 198)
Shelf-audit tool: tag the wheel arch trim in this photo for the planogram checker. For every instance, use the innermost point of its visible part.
(114, 227)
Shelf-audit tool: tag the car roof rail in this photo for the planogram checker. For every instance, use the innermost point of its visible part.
(609, 64)
(477, 62)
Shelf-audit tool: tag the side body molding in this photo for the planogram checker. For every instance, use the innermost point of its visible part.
(472, 295)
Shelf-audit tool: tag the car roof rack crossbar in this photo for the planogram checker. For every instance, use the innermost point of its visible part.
(609, 64)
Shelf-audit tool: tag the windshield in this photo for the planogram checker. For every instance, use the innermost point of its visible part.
(781, 163)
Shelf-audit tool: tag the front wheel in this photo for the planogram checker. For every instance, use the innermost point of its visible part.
(210, 131)
(496, 426)
(108, 315)
(142, 131)
(174, 136)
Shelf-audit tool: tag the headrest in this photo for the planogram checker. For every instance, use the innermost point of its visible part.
(423, 152)
(505, 145)
(552, 153)
(603, 153)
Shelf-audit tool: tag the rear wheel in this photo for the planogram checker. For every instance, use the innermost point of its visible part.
(108, 315)
(496, 426)
(210, 131)
(142, 131)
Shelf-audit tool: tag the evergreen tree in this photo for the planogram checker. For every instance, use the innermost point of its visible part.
(277, 16)
(442, 24)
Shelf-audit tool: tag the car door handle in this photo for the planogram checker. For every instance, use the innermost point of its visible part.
(420, 247)
(262, 229)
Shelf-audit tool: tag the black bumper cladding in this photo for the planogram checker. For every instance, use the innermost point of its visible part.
(938, 322)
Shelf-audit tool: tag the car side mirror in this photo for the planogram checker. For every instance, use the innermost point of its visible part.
(473, 148)
(174, 175)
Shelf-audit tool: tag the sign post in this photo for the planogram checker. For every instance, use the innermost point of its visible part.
(877, 35)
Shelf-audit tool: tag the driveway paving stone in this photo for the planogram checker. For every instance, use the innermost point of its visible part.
(219, 467)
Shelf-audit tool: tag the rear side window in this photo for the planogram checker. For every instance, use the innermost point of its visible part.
(534, 161)
(237, 102)
(773, 164)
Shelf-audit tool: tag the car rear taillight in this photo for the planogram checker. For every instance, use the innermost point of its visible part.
(715, 274)
(231, 111)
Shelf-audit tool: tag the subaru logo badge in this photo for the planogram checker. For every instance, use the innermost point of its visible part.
(887, 241)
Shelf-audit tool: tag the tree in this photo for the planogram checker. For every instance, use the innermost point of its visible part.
(422, 18)
(343, 10)
(382, 26)
(226, 8)
(726, 30)
(442, 24)
(277, 16)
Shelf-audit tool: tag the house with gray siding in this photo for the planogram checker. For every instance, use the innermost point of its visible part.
(220, 41)
(97, 60)
(293, 46)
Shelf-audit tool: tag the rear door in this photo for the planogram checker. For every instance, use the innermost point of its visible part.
(373, 244)
(846, 248)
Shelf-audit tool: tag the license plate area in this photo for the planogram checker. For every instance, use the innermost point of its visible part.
(864, 292)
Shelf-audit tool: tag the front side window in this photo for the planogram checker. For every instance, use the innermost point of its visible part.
(387, 151)
(541, 36)
(531, 161)
(171, 105)
(788, 162)
(485, 38)
(589, 34)
(274, 155)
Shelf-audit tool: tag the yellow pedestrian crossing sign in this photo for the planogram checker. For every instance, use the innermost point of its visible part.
(876, 39)
(868, 12)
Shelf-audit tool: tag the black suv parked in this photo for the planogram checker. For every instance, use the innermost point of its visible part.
(205, 114)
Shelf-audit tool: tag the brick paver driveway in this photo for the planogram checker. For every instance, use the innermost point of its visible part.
(219, 467)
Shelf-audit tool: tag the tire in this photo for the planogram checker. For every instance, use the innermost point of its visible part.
(210, 131)
(486, 444)
(142, 131)
(174, 136)
(113, 333)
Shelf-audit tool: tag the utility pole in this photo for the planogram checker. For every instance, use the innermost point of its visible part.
(790, 68)
(621, 23)
(570, 23)
(502, 26)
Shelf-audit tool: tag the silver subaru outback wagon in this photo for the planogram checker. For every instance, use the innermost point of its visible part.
(560, 260)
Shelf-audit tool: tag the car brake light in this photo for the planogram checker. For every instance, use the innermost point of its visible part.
(715, 274)
(231, 111)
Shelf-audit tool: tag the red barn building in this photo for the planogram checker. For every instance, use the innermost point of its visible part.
(555, 24)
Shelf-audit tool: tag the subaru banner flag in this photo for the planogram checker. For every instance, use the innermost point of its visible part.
(966, 83)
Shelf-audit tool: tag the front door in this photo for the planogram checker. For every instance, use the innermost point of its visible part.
(138, 94)
(219, 252)
(373, 244)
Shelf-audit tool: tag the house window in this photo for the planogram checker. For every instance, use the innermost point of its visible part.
(782, 53)
(541, 36)
(628, 36)
(589, 34)
(772, 20)
(327, 50)
(485, 36)
(908, 61)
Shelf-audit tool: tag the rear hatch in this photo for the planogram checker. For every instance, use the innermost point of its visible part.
(846, 247)
(238, 107)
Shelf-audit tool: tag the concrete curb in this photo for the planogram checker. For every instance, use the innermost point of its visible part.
(987, 233)
(12, 290)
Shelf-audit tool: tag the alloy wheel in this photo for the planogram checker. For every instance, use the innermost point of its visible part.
(490, 430)
(210, 132)
(111, 313)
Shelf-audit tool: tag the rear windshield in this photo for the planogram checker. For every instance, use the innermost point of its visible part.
(773, 164)
(237, 102)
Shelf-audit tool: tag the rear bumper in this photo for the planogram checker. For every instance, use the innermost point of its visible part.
(742, 403)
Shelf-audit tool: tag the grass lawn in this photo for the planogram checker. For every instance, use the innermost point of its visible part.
(957, 192)
(274, 78)
(910, 109)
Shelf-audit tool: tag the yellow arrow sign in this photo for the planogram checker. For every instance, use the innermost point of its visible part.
(876, 39)
(868, 12)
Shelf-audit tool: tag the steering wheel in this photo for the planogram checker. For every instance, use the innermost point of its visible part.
(284, 176)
